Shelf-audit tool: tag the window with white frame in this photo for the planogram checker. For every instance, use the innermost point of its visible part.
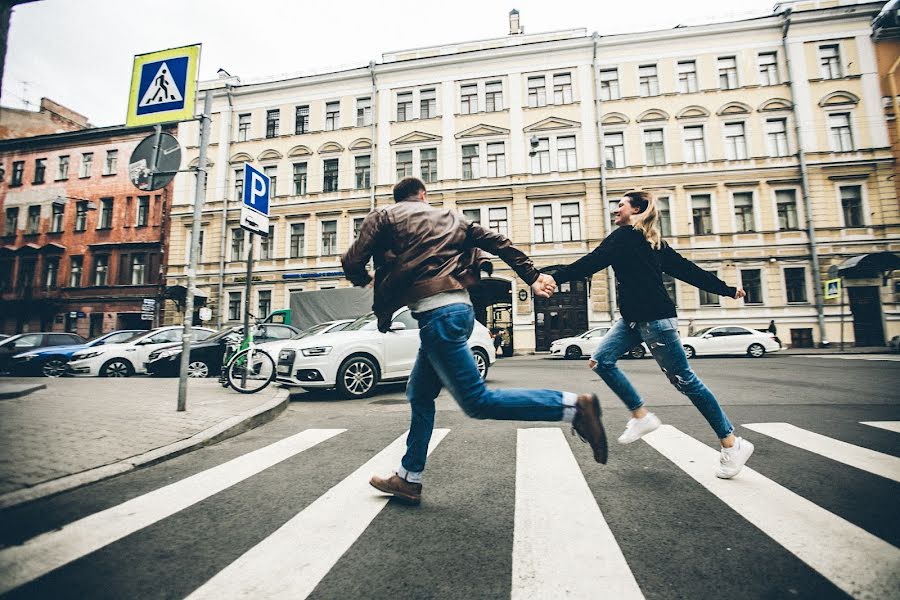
(357, 226)
(238, 184)
(609, 84)
(830, 61)
(266, 243)
(493, 96)
(301, 119)
(570, 222)
(142, 218)
(76, 265)
(468, 99)
(841, 134)
(743, 212)
(427, 103)
(614, 148)
(237, 244)
(57, 216)
(298, 240)
(87, 161)
(786, 208)
(332, 115)
(767, 63)
(363, 171)
(665, 215)
(404, 164)
(264, 303)
(751, 281)
(537, 91)
(701, 214)
(543, 223)
(562, 88)
(728, 78)
(496, 159)
(687, 76)
(709, 298)
(795, 284)
(776, 137)
(110, 166)
(472, 215)
(300, 179)
(654, 148)
(471, 163)
(271, 172)
(498, 220)
(243, 127)
(540, 160)
(565, 154)
(428, 164)
(329, 238)
(363, 112)
(234, 306)
(735, 141)
(694, 144)
(273, 119)
(648, 81)
(330, 175)
(404, 106)
(851, 205)
(63, 170)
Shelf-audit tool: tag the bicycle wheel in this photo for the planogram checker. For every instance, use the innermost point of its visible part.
(250, 371)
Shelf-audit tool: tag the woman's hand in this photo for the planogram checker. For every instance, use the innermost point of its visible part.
(740, 293)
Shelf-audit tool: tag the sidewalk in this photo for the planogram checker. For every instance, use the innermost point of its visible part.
(77, 431)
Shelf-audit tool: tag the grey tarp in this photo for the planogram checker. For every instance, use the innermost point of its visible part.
(313, 307)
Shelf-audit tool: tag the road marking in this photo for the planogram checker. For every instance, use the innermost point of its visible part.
(887, 357)
(856, 561)
(878, 463)
(51, 550)
(562, 545)
(889, 425)
(291, 562)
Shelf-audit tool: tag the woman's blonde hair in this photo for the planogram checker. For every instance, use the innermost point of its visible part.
(647, 219)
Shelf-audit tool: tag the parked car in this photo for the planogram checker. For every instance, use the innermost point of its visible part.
(128, 358)
(895, 343)
(585, 344)
(273, 348)
(26, 342)
(206, 355)
(730, 339)
(358, 358)
(51, 361)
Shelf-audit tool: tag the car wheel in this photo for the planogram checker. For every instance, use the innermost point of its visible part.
(117, 367)
(481, 361)
(573, 352)
(637, 352)
(54, 367)
(689, 351)
(756, 350)
(357, 377)
(198, 369)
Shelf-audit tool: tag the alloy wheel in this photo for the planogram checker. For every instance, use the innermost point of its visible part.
(117, 369)
(480, 363)
(54, 368)
(198, 369)
(359, 378)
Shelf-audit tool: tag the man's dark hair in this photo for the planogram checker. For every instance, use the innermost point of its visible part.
(407, 187)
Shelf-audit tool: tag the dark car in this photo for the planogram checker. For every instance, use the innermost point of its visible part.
(51, 361)
(26, 342)
(206, 356)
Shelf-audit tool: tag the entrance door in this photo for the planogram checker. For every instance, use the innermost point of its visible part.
(563, 315)
(96, 325)
(865, 304)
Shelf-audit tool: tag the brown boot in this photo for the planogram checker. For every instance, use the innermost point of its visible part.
(589, 427)
(410, 493)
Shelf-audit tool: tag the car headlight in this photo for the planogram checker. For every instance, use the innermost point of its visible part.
(86, 355)
(26, 356)
(317, 351)
(166, 353)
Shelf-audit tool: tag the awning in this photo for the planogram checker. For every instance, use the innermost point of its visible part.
(53, 247)
(878, 264)
(178, 293)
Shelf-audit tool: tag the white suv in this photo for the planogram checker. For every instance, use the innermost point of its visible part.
(359, 357)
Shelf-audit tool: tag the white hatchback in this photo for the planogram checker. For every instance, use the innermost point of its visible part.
(585, 344)
(730, 339)
(359, 357)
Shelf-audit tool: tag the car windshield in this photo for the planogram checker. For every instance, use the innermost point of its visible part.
(312, 330)
(364, 322)
(120, 337)
(700, 332)
(224, 333)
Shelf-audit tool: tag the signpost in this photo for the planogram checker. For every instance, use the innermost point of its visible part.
(254, 219)
(832, 289)
(163, 86)
(155, 161)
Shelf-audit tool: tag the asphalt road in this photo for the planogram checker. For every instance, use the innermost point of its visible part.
(296, 519)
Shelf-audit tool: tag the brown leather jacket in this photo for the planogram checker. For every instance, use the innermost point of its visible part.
(420, 251)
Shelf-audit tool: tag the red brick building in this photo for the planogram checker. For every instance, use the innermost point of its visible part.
(51, 118)
(81, 247)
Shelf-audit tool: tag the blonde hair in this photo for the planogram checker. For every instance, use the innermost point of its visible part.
(647, 219)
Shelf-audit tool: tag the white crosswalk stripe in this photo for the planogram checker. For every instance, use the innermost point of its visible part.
(562, 545)
(878, 463)
(856, 561)
(889, 425)
(291, 562)
(42, 554)
(884, 357)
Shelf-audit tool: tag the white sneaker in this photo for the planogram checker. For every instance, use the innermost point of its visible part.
(638, 428)
(733, 459)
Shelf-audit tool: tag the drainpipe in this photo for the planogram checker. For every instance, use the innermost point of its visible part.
(892, 83)
(374, 172)
(223, 244)
(604, 204)
(804, 184)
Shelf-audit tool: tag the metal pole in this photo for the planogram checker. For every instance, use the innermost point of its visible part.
(154, 166)
(226, 193)
(247, 290)
(199, 196)
(843, 297)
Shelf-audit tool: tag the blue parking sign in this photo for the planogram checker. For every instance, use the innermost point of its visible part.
(255, 208)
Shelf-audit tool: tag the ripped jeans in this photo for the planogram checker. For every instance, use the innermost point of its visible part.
(662, 338)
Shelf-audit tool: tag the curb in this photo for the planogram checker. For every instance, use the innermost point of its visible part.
(231, 427)
(8, 392)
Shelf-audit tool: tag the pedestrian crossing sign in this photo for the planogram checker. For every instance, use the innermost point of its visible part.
(163, 86)
(832, 289)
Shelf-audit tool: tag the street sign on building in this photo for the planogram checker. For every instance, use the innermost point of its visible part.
(148, 309)
(832, 289)
(205, 314)
(163, 86)
(255, 207)
(154, 162)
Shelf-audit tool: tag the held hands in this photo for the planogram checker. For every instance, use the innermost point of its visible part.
(544, 286)
(740, 293)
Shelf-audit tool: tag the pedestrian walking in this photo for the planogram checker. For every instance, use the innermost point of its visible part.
(426, 258)
(774, 331)
(691, 327)
(639, 257)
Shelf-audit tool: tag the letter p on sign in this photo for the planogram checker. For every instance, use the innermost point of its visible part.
(257, 189)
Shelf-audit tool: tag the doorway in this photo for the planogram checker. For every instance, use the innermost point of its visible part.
(563, 315)
(865, 305)
(492, 302)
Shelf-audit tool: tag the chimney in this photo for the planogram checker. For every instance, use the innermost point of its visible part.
(514, 27)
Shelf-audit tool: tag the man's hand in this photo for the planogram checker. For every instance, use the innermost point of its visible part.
(544, 286)
(740, 293)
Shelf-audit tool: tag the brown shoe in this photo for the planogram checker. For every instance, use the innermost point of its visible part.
(589, 427)
(410, 493)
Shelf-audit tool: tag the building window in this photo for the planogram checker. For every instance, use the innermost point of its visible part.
(427, 104)
(404, 106)
(830, 61)
(735, 141)
(776, 136)
(471, 165)
(330, 179)
(76, 264)
(543, 223)
(234, 306)
(496, 159)
(654, 147)
(497, 220)
(671, 287)
(299, 179)
(743, 212)
(138, 269)
(101, 269)
(33, 226)
(728, 79)
(143, 211)
(266, 243)
(329, 238)
(537, 91)
(565, 154)
(87, 161)
(540, 160)
(332, 116)
(687, 76)
(472, 215)
(614, 148)
(17, 173)
(106, 214)
(767, 62)
(468, 99)
(81, 209)
(493, 96)
(301, 119)
(265, 303)
(243, 127)
(51, 272)
(795, 284)
(111, 166)
(405, 164)
(62, 171)
(701, 212)
(562, 88)
(752, 284)
(40, 170)
(363, 112)
(609, 84)
(694, 146)
(363, 171)
(238, 184)
(709, 298)
(237, 244)
(648, 82)
(26, 274)
(357, 226)
(271, 172)
(786, 203)
(428, 164)
(841, 135)
(570, 222)
(851, 204)
(665, 215)
(273, 120)
(57, 217)
(298, 239)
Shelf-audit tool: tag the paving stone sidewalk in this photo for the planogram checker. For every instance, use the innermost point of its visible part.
(80, 425)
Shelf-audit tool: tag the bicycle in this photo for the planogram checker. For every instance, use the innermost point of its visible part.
(247, 369)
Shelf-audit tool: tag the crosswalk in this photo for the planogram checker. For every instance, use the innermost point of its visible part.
(563, 543)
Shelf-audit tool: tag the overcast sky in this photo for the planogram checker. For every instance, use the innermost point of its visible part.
(80, 52)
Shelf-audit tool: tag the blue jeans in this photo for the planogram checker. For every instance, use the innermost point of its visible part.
(445, 360)
(662, 338)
